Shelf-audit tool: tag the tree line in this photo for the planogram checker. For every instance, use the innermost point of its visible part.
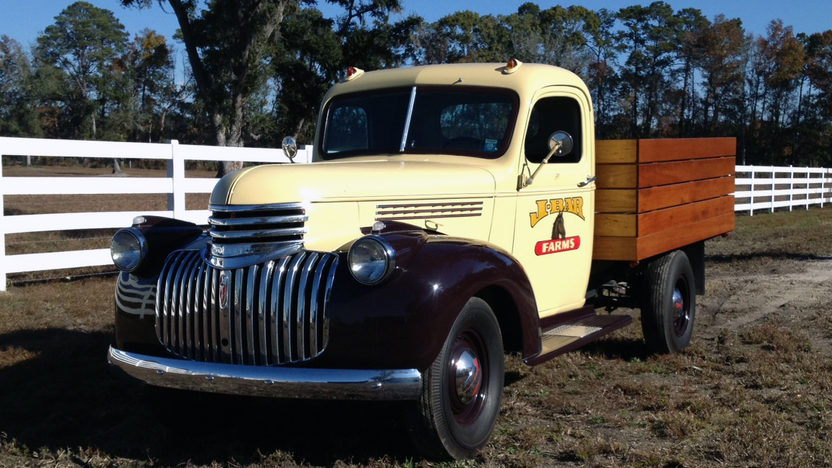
(257, 69)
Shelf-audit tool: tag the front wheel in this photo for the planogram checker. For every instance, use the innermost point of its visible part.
(462, 389)
(669, 306)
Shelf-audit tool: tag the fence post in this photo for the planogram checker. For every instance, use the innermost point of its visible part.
(2, 233)
(772, 187)
(751, 200)
(176, 174)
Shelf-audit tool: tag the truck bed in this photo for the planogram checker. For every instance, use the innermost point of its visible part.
(658, 195)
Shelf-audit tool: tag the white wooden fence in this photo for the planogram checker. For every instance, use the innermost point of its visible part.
(176, 185)
(758, 188)
(770, 187)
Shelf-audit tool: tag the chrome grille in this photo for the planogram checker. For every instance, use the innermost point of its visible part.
(264, 314)
(240, 233)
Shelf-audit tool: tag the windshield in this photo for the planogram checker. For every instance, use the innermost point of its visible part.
(470, 121)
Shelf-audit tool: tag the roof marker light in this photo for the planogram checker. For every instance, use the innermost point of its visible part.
(512, 66)
(353, 73)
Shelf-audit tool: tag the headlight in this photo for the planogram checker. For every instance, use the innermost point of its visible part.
(371, 260)
(128, 249)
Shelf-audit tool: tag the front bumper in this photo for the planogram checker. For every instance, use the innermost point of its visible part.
(279, 382)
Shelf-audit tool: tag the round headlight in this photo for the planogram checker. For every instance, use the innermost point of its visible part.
(128, 249)
(371, 260)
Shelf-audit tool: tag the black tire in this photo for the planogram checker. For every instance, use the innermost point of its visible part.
(452, 422)
(668, 308)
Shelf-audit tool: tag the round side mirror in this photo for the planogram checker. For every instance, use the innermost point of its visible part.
(562, 141)
(290, 148)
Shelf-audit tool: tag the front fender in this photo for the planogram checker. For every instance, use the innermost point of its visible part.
(403, 322)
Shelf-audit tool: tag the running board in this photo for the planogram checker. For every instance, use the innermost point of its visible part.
(573, 330)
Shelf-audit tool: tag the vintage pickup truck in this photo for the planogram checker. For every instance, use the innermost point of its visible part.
(451, 214)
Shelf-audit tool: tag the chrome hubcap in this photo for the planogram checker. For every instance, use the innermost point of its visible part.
(680, 312)
(467, 376)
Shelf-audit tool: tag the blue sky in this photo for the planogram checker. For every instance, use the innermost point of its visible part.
(24, 19)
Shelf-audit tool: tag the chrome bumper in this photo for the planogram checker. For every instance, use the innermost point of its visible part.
(279, 382)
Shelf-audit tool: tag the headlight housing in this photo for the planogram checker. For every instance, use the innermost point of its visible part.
(371, 260)
(128, 249)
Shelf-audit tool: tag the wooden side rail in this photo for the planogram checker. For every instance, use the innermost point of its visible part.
(654, 196)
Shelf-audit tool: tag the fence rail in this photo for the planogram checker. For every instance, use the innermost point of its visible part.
(176, 185)
(771, 187)
(758, 188)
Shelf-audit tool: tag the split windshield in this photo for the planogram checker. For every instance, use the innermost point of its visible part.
(469, 121)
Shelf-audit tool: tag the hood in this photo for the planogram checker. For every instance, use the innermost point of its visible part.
(351, 181)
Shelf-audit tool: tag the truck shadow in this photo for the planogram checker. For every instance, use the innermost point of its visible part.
(58, 392)
(625, 349)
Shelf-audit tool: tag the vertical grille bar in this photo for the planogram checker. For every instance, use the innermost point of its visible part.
(314, 316)
(216, 318)
(275, 318)
(188, 292)
(226, 287)
(289, 301)
(237, 325)
(330, 279)
(167, 320)
(264, 314)
(302, 328)
(251, 290)
(176, 309)
(199, 311)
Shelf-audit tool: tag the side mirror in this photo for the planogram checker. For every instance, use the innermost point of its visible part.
(290, 148)
(561, 142)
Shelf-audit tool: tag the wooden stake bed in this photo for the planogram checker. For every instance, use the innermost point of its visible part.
(654, 196)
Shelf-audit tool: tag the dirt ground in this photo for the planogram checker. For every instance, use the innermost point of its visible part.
(754, 388)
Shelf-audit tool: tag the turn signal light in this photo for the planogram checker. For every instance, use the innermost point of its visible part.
(353, 73)
(512, 65)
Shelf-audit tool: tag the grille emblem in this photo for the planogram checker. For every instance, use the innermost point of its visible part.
(224, 290)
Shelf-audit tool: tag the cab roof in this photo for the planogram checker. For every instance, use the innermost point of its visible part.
(527, 78)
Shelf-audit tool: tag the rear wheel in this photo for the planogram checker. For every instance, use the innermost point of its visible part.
(463, 387)
(669, 306)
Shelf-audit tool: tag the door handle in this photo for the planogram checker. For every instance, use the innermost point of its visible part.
(588, 181)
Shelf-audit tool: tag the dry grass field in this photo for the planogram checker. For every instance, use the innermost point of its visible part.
(754, 389)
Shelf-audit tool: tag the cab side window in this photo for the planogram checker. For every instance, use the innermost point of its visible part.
(548, 116)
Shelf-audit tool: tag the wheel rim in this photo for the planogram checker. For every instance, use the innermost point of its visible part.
(468, 377)
(681, 308)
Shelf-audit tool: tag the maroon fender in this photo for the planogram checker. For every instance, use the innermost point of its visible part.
(403, 322)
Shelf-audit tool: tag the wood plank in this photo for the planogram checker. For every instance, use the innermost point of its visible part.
(684, 234)
(674, 149)
(616, 176)
(615, 225)
(665, 173)
(616, 201)
(615, 248)
(665, 196)
(660, 220)
(616, 151)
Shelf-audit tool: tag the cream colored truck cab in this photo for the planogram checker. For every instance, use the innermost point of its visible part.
(470, 196)
(449, 216)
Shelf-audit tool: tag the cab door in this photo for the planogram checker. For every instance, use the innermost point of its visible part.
(555, 213)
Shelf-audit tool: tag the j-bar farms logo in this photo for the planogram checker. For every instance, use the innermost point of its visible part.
(557, 245)
(559, 241)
